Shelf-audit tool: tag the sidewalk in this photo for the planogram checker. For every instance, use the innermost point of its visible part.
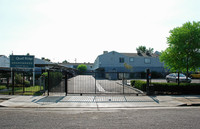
(98, 101)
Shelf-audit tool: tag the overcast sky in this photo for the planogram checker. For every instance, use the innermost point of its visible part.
(83, 29)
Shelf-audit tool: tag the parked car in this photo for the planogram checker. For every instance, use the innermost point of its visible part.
(173, 77)
(196, 75)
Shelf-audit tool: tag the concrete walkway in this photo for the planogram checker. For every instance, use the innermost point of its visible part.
(97, 101)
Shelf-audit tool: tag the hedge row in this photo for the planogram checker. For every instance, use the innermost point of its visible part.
(169, 88)
(141, 85)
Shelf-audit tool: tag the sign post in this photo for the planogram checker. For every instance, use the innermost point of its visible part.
(33, 76)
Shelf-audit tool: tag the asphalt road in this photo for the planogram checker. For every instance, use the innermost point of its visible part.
(172, 118)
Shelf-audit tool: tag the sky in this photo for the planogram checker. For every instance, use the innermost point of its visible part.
(80, 30)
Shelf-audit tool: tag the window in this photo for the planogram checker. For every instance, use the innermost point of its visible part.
(147, 61)
(131, 59)
(121, 60)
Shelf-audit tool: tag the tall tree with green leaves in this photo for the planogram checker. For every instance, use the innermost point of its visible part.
(143, 49)
(183, 53)
(150, 50)
(65, 61)
(46, 59)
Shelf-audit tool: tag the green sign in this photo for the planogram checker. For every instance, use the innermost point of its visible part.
(21, 61)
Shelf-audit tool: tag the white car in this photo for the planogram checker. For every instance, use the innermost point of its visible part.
(173, 77)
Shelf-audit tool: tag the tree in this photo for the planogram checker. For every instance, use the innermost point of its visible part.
(183, 53)
(65, 61)
(18, 79)
(82, 68)
(143, 49)
(46, 59)
(150, 50)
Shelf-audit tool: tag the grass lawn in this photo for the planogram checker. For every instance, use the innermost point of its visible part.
(32, 90)
(2, 87)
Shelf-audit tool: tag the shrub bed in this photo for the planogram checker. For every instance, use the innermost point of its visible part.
(141, 85)
(173, 88)
(169, 88)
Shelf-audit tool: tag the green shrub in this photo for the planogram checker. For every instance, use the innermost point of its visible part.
(27, 83)
(2, 87)
(45, 74)
(82, 68)
(168, 88)
(141, 85)
(183, 88)
(18, 79)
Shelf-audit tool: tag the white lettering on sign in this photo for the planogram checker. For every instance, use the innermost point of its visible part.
(28, 58)
(19, 58)
(24, 58)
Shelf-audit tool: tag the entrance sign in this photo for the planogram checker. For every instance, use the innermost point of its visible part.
(21, 61)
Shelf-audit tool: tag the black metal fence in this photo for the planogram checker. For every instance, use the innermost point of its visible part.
(29, 82)
(21, 82)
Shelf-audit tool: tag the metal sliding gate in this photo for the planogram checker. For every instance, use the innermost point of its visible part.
(90, 83)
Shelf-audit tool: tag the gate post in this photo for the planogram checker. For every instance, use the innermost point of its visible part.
(149, 88)
(13, 81)
(123, 81)
(95, 82)
(147, 77)
(66, 83)
(48, 84)
(23, 82)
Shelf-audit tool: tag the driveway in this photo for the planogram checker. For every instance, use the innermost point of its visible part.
(88, 84)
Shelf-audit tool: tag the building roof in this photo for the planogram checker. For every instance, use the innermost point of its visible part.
(43, 63)
(40, 61)
(2, 55)
(139, 55)
(76, 63)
